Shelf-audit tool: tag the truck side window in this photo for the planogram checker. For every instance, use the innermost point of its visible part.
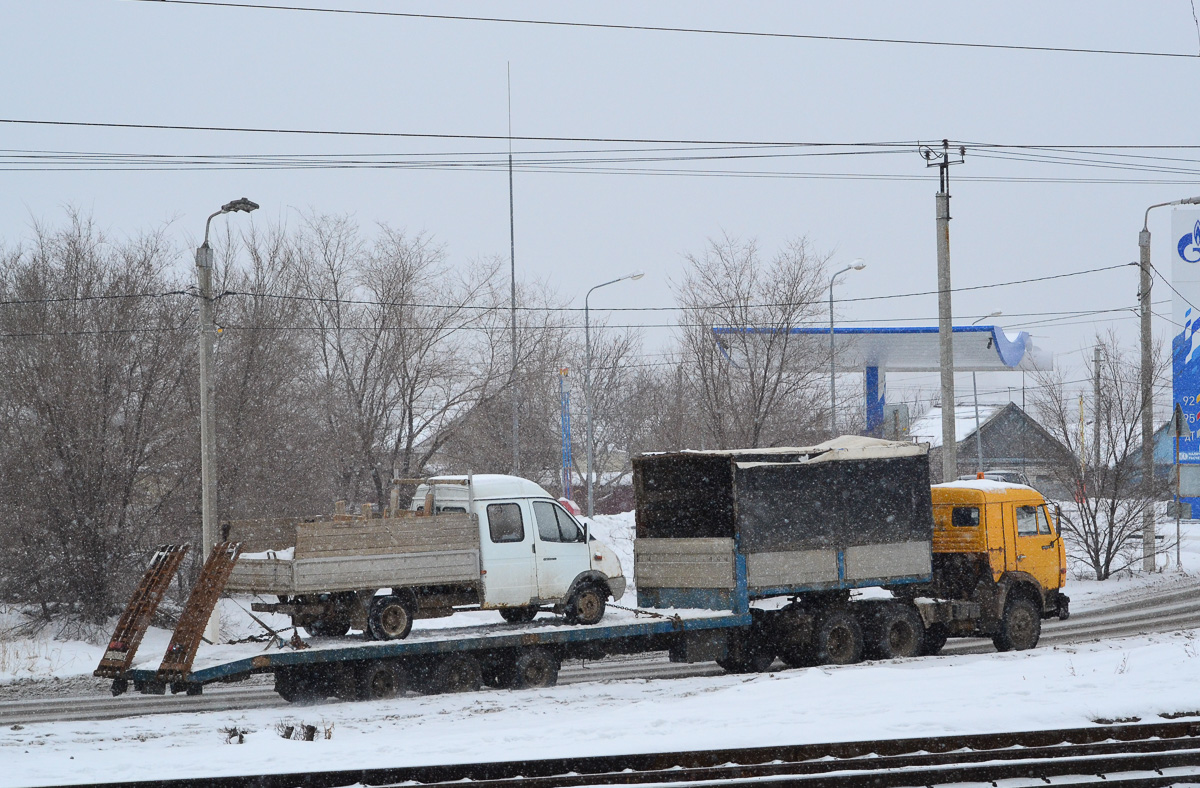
(1027, 520)
(964, 516)
(554, 524)
(567, 527)
(1044, 526)
(504, 522)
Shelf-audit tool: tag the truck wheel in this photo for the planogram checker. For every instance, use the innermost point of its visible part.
(586, 606)
(534, 667)
(455, 673)
(1021, 627)
(519, 615)
(896, 633)
(839, 640)
(379, 679)
(933, 640)
(390, 618)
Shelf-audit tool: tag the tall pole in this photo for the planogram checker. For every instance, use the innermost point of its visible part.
(1096, 416)
(208, 429)
(512, 260)
(945, 316)
(975, 397)
(1145, 282)
(587, 381)
(857, 265)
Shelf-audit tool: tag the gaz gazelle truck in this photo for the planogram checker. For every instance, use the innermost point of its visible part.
(740, 557)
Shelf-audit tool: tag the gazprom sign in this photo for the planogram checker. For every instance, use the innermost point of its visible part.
(1185, 346)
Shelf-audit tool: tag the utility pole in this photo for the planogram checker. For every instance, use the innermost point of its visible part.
(512, 261)
(1096, 418)
(941, 159)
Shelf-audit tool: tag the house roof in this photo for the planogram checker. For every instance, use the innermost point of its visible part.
(928, 428)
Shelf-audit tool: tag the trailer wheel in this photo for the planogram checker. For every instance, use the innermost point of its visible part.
(933, 640)
(455, 673)
(534, 667)
(586, 605)
(839, 640)
(896, 633)
(519, 615)
(299, 686)
(379, 679)
(1021, 627)
(390, 618)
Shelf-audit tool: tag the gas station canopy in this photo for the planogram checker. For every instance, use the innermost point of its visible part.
(915, 349)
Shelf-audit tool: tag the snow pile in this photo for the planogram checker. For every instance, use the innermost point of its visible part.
(928, 428)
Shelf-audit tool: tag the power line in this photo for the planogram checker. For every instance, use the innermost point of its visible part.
(693, 30)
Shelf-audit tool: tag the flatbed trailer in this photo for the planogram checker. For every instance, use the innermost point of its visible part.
(445, 660)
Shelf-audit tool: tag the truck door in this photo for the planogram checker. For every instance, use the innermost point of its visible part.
(507, 555)
(1036, 545)
(561, 552)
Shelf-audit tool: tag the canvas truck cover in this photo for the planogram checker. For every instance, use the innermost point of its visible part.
(842, 514)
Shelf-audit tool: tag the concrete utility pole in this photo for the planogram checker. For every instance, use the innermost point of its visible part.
(512, 262)
(941, 160)
(208, 430)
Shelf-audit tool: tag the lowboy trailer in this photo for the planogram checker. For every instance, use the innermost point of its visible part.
(741, 557)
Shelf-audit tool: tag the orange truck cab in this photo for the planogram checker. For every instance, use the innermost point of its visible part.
(998, 545)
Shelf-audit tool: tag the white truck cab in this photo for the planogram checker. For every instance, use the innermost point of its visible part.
(532, 551)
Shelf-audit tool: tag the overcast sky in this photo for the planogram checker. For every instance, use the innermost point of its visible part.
(127, 62)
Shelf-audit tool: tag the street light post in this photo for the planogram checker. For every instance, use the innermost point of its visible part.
(975, 396)
(208, 433)
(587, 379)
(1145, 282)
(857, 265)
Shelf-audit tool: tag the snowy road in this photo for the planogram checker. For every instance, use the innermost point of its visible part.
(1175, 609)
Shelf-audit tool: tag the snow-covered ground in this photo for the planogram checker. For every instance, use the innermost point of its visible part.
(1049, 687)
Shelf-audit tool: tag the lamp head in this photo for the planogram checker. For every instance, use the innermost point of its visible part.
(1190, 201)
(239, 205)
(858, 264)
(636, 275)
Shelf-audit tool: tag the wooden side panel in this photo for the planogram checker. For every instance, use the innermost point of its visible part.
(365, 572)
(683, 563)
(391, 536)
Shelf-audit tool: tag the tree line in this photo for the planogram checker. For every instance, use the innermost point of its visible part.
(346, 356)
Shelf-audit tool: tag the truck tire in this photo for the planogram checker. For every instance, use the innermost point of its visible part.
(838, 639)
(933, 640)
(519, 615)
(379, 679)
(390, 618)
(897, 632)
(1020, 628)
(586, 605)
(458, 672)
(534, 667)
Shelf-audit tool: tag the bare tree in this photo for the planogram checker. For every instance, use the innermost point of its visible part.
(758, 385)
(1103, 528)
(398, 363)
(93, 372)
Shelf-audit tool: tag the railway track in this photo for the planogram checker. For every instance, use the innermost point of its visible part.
(1172, 611)
(1126, 755)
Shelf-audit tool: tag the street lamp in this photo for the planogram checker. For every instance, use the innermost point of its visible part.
(975, 395)
(587, 379)
(208, 433)
(857, 265)
(1144, 284)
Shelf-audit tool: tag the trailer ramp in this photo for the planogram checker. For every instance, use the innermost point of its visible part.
(203, 599)
(135, 619)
